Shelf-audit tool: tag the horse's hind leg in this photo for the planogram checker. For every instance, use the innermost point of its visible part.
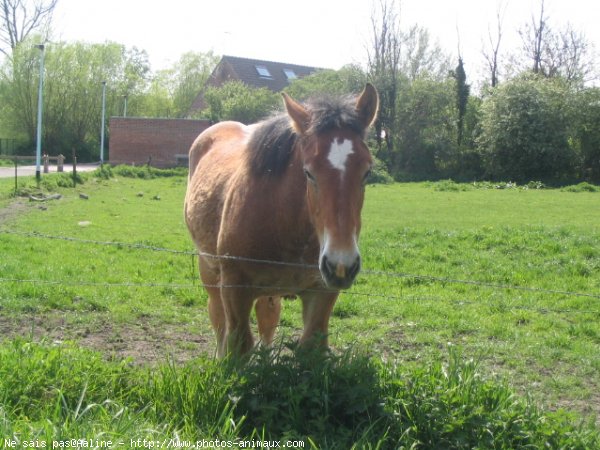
(268, 310)
(217, 318)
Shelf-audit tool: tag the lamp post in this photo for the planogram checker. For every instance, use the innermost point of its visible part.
(102, 126)
(125, 105)
(38, 145)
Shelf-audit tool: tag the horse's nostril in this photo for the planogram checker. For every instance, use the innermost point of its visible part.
(326, 267)
(339, 271)
(354, 269)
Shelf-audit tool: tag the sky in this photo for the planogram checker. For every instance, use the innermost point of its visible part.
(320, 33)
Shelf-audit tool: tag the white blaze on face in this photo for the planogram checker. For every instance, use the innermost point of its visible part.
(339, 152)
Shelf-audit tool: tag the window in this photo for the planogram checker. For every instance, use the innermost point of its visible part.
(263, 71)
(290, 74)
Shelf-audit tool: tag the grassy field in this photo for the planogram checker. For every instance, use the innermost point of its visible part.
(475, 322)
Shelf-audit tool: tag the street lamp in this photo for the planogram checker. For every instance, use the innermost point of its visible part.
(102, 127)
(38, 146)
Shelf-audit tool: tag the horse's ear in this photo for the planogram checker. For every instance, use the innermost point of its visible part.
(367, 105)
(298, 113)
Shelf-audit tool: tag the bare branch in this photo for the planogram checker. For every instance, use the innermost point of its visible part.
(20, 18)
(492, 53)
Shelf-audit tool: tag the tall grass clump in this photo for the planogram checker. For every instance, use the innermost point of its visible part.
(453, 406)
(327, 400)
(332, 399)
(39, 381)
(193, 399)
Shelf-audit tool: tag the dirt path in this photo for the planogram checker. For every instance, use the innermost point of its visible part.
(143, 344)
(12, 209)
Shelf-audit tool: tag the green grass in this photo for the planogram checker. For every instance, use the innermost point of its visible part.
(54, 393)
(494, 273)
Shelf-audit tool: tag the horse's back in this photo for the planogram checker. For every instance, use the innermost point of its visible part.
(214, 158)
(215, 137)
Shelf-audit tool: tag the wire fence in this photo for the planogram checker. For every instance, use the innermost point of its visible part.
(301, 266)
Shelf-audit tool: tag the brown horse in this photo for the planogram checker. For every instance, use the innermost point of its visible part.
(269, 204)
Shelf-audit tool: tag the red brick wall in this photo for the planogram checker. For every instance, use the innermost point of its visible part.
(134, 140)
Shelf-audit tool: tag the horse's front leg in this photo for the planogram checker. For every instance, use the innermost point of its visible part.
(237, 304)
(316, 310)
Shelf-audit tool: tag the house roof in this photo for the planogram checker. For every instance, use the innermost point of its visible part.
(258, 73)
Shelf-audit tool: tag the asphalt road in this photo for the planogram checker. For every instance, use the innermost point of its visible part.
(23, 171)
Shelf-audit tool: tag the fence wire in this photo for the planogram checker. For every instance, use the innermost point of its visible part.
(378, 273)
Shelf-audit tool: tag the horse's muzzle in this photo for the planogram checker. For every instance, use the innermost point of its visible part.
(338, 274)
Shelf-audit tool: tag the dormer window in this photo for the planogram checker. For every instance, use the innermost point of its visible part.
(263, 72)
(290, 74)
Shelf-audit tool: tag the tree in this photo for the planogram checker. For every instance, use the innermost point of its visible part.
(384, 69)
(587, 133)
(533, 39)
(19, 78)
(187, 79)
(525, 131)
(349, 79)
(492, 53)
(157, 99)
(20, 18)
(426, 120)
(462, 98)
(72, 93)
(419, 57)
(236, 101)
(564, 53)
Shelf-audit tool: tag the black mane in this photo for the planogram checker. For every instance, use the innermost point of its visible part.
(272, 143)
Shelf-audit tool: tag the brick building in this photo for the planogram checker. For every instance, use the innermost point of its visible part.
(160, 142)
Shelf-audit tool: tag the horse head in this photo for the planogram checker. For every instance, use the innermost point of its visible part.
(336, 163)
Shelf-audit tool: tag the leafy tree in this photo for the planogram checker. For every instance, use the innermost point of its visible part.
(420, 57)
(19, 77)
(237, 101)
(462, 97)
(586, 133)
(426, 131)
(72, 92)
(525, 131)
(185, 79)
(156, 99)
(349, 79)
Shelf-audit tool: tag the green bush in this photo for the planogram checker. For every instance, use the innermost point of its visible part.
(582, 187)
(147, 172)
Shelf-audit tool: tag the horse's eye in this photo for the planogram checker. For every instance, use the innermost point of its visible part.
(309, 176)
(367, 175)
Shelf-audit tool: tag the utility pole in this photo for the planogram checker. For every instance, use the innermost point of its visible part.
(38, 146)
(102, 126)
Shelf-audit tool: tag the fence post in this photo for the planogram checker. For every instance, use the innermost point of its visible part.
(60, 160)
(74, 168)
(46, 163)
(16, 187)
